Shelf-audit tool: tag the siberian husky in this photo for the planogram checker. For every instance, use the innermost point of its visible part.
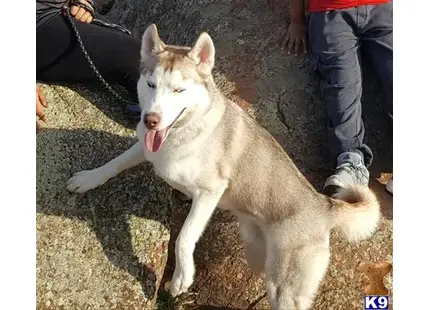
(209, 149)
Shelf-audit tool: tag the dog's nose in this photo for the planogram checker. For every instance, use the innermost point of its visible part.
(151, 120)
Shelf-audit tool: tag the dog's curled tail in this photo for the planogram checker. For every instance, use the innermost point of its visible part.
(356, 212)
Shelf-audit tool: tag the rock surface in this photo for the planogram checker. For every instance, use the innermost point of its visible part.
(102, 250)
(108, 248)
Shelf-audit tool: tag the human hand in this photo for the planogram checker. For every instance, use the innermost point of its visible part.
(40, 106)
(80, 13)
(295, 38)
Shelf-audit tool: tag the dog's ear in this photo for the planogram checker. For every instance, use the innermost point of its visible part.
(203, 53)
(151, 43)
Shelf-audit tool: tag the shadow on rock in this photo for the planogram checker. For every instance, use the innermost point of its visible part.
(107, 210)
(98, 96)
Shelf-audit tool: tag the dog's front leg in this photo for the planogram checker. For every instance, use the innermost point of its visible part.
(85, 180)
(201, 210)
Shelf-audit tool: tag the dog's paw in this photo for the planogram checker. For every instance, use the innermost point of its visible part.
(181, 282)
(83, 181)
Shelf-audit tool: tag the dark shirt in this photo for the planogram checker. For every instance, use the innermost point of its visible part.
(46, 10)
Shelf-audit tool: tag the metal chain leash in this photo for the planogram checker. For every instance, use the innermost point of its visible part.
(132, 106)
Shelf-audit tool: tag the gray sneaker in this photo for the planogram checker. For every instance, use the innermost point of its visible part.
(389, 186)
(350, 170)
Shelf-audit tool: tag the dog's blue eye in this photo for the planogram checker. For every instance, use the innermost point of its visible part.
(150, 84)
(178, 90)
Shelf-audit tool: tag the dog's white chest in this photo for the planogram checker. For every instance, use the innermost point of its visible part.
(180, 172)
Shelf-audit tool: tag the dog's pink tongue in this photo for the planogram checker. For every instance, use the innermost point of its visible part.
(154, 139)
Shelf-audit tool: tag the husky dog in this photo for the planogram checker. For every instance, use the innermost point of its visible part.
(208, 148)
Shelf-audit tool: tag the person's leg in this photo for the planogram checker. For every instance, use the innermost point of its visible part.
(334, 56)
(59, 59)
(377, 40)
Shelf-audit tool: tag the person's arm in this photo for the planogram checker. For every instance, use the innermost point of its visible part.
(297, 11)
(295, 37)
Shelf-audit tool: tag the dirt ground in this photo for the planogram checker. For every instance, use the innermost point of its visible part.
(112, 247)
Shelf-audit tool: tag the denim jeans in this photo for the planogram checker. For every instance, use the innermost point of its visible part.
(336, 39)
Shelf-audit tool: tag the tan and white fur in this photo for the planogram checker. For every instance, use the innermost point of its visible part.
(208, 148)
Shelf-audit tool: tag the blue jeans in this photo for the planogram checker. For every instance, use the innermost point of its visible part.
(336, 38)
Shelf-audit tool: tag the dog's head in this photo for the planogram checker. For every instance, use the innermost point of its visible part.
(173, 83)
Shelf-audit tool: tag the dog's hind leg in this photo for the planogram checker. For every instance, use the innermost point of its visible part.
(293, 274)
(255, 245)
